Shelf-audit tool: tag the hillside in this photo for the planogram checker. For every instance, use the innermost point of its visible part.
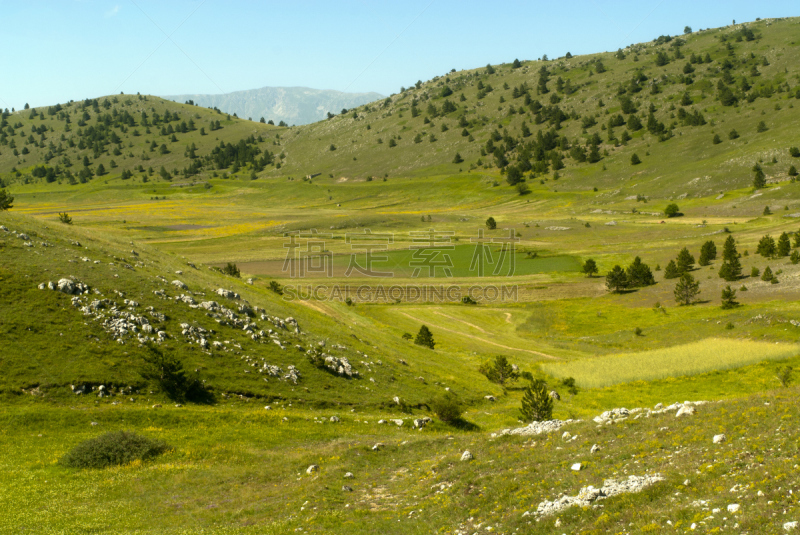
(289, 105)
(698, 86)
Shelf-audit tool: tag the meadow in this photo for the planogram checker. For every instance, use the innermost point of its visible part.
(237, 461)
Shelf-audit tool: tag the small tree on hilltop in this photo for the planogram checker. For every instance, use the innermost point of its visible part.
(686, 290)
(728, 298)
(500, 371)
(425, 338)
(537, 405)
(491, 224)
(589, 268)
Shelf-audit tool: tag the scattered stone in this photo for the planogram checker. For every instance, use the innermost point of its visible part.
(157, 406)
(313, 468)
(595, 449)
(377, 446)
(576, 467)
(349, 475)
(419, 423)
(179, 284)
(536, 428)
(489, 398)
(554, 395)
(467, 456)
(346, 488)
(686, 410)
(587, 495)
(790, 526)
(334, 419)
(734, 507)
(719, 439)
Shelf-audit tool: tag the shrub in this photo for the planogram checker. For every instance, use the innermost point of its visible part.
(491, 224)
(467, 300)
(65, 218)
(275, 287)
(408, 336)
(232, 270)
(447, 407)
(569, 383)
(500, 371)
(113, 449)
(785, 375)
(168, 372)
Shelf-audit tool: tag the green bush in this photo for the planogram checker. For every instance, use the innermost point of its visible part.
(113, 449)
(447, 407)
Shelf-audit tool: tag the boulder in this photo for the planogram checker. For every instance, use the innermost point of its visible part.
(686, 410)
(377, 446)
(719, 439)
(179, 284)
(467, 456)
(576, 467)
(346, 488)
(349, 475)
(334, 419)
(595, 448)
(489, 398)
(790, 526)
(66, 286)
(313, 468)
(554, 395)
(734, 508)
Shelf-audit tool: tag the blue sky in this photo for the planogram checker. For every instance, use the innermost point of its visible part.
(54, 51)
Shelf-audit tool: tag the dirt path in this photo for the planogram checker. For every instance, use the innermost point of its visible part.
(545, 355)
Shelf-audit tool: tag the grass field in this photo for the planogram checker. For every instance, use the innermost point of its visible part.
(678, 361)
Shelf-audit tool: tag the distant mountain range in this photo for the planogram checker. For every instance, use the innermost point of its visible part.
(293, 105)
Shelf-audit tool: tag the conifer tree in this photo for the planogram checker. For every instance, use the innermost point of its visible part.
(728, 298)
(616, 280)
(425, 338)
(537, 405)
(671, 271)
(784, 247)
(759, 180)
(685, 261)
(686, 289)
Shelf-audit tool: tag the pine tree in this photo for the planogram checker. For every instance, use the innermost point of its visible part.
(616, 280)
(425, 338)
(759, 180)
(767, 276)
(686, 289)
(458, 158)
(537, 405)
(685, 261)
(639, 274)
(635, 159)
(500, 371)
(784, 247)
(708, 252)
(671, 271)
(728, 298)
(589, 267)
(766, 246)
